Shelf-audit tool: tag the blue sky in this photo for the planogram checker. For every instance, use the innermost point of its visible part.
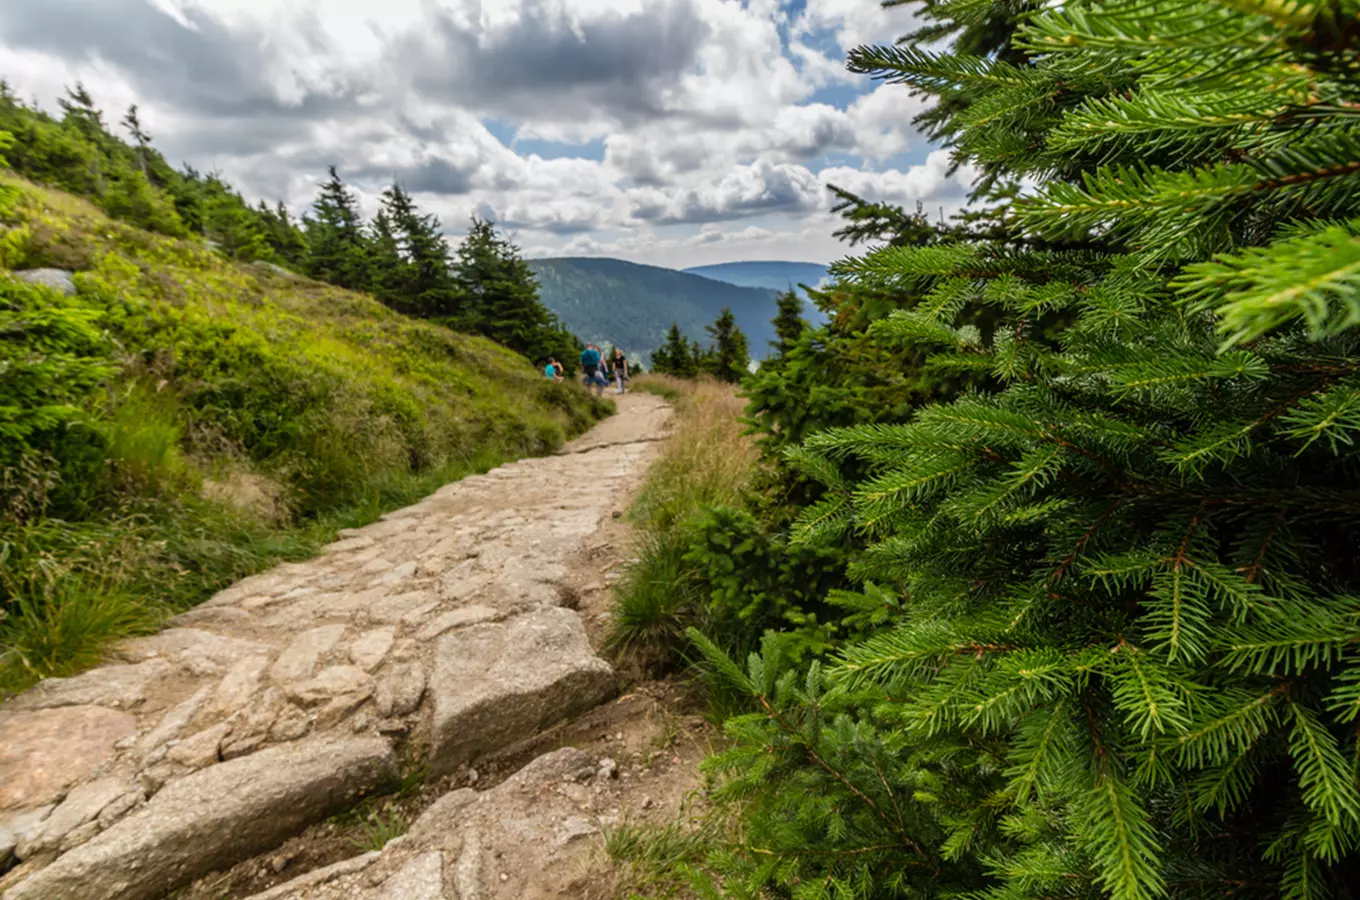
(673, 132)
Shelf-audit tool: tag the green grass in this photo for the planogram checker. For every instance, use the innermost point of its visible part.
(379, 828)
(226, 418)
(661, 861)
(708, 462)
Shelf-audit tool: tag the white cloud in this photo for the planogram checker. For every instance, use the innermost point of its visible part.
(700, 129)
(856, 22)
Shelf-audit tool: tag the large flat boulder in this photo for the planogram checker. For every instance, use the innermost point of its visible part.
(119, 687)
(215, 818)
(497, 683)
(44, 752)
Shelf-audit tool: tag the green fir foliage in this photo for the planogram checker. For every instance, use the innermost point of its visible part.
(1105, 535)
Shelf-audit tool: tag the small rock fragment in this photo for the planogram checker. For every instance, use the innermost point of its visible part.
(291, 724)
(336, 681)
(372, 647)
(202, 749)
(399, 690)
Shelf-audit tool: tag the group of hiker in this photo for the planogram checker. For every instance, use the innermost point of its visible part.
(598, 371)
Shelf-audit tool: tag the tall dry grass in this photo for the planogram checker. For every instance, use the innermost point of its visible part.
(709, 461)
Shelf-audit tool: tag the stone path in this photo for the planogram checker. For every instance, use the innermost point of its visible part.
(442, 631)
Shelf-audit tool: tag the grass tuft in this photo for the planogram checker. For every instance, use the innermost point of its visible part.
(709, 461)
(379, 828)
(59, 629)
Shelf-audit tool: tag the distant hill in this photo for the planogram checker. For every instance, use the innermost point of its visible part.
(610, 301)
(773, 276)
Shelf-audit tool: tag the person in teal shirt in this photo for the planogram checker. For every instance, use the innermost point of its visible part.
(550, 370)
(591, 363)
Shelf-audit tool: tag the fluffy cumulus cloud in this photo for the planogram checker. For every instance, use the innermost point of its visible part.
(667, 131)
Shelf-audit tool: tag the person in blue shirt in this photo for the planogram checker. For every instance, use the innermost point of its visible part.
(591, 364)
(550, 370)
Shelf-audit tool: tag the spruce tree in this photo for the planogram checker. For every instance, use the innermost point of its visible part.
(730, 356)
(282, 234)
(386, 264)
(337, 248)
(500, 295)
(788, 322)
(83, 118)
(132, 122)
(79, 111)
(1121, 654)
(418, 275)
(675, 356)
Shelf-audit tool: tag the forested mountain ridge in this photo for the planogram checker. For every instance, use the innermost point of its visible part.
(633, 305)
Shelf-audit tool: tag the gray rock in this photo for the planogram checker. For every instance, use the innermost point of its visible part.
(120, 687)
(211, 615)
(274, 269)
(390, 610)
(43, 753)
(77, 836)
(422, 878)
(58, 280)
(514, 841)
(16, 828)
(442, 816)
(121, 806)
(82, 805)
(236, 689)
(459, 618)
(201, 750)
(214, 819)
(185, 643)
(399, 690)
(320, 877)
(299, 660)
(370, 649)
(291, 724)
(330, 683)
(498, 683)
(251, 725)
(172, 723)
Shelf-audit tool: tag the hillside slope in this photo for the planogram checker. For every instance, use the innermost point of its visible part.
(612, 301)
(180, 421)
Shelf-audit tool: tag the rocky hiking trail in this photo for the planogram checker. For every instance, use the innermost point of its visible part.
(438, 650)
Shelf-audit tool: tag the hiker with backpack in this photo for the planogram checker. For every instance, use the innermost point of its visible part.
(592, 364)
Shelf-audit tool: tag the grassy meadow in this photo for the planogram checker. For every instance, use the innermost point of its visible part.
(182, 421)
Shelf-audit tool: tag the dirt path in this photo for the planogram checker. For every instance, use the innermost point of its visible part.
(442, 638)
